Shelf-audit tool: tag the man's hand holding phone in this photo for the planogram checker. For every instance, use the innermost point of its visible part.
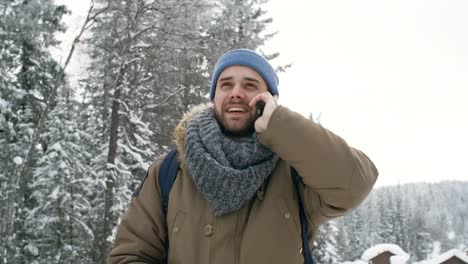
(270, 103)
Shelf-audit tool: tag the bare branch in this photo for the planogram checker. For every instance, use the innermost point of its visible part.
(86, 25)
(44, 112)
(153, 106)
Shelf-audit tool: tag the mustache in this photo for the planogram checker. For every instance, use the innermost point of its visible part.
(237, 103)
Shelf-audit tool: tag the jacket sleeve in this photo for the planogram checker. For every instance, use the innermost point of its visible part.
(142, 232)
(337, 177)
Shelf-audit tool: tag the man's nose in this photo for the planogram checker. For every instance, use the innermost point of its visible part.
(237, 92)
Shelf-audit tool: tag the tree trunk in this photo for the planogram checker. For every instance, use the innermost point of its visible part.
(109, 217)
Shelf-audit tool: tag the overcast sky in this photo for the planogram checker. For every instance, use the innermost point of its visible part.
(390, 77)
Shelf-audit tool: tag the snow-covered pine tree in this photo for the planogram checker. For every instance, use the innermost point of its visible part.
(56, 220)
(29, 76)
(112, 55)
(134, 88)
(423, 246)
(370, 208)
(400, 218)
(357, 235)
(237, 24)
(415, 209)
(325, 248)
(387, 213)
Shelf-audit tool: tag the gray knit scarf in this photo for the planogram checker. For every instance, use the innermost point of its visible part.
(228, 172)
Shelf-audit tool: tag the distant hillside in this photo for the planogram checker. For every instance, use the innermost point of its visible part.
(423, 219)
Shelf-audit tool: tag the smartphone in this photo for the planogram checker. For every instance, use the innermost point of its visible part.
(260, 106)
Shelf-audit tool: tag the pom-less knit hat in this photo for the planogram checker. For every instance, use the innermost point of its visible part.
(248, 58)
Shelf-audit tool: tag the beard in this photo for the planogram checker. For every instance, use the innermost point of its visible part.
(247, 128)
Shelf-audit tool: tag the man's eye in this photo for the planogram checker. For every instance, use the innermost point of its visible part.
(226, 84)
(251, 86)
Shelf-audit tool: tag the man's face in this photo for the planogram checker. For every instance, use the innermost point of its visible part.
(236, 86)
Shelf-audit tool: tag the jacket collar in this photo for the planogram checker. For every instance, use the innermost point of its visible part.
(178, 136)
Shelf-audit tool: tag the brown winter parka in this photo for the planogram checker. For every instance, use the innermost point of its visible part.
(336, 178)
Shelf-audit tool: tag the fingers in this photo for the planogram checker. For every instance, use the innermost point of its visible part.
(266, 96)
(270, 105)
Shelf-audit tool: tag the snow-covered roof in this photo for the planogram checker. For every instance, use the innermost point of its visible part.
(355, 262)
(374, 251)
(445, 256)
(398, 259)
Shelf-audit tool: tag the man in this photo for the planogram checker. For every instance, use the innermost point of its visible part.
(233, 200)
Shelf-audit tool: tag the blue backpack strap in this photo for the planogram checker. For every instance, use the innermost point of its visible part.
(304, 227)
(167, 176)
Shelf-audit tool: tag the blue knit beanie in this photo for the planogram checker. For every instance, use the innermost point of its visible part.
(248, 58)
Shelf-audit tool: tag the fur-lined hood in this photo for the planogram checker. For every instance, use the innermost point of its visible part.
(178, 136)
